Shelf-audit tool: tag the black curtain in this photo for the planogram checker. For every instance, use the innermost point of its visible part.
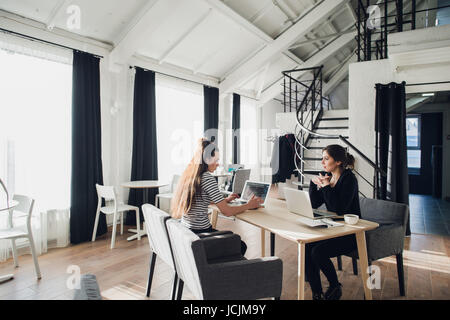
(391, 156)
(211, 112)
(236, 125)
(144, 165)
(86, 148)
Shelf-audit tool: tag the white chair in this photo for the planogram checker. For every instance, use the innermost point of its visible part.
(109, 194)
(155, 223)
(168, 195)
(25, 207)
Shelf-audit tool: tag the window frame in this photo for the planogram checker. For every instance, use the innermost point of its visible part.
(413, 170)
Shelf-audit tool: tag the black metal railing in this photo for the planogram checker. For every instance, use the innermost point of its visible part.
(303, 93)
(376, 20)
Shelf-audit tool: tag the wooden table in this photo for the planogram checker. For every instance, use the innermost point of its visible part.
(144, 185)
(11, 205)
(277, 219)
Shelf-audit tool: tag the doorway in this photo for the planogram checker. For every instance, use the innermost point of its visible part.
(425, 122)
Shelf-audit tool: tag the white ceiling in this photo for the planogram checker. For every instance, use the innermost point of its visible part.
(209, 37)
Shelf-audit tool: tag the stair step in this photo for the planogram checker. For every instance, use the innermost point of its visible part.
(312, 159)
(334, 119)
(322, 143)
(331, 128)
(335, 113)
(315, 137)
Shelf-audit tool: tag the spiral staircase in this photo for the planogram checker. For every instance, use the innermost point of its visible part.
(317, 126)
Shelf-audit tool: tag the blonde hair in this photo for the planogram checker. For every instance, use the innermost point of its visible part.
(190, 181)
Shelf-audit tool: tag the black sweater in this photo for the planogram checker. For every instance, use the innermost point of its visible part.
(343, 198)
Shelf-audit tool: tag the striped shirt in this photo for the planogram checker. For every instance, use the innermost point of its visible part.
(197, 217)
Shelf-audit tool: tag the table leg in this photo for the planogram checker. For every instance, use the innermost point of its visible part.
(363, 262)
(301, 271)
(263, 242)
(138, 229)
(272, 244)
(214, 215)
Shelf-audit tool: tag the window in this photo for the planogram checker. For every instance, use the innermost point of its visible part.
(413, 143)
(179, 123)
(249, 137)
(35, 140)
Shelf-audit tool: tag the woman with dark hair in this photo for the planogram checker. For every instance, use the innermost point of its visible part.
(337, 188)
(197, 189)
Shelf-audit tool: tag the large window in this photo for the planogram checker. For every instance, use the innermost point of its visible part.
(179, 123)
(413, 143)
(35, 141)
(35, 128)
(249, 137)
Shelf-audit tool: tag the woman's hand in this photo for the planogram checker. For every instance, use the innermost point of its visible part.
(324, 180)
(254, 202)
(231, 197)
(321, 181)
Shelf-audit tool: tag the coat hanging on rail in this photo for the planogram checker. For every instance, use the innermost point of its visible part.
(282, 164)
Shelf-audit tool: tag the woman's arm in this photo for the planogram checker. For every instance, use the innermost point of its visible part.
(315, 195)
(228, 210)
(342, 200)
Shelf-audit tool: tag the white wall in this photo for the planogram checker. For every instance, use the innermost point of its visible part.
(339, 96)
(362, 79)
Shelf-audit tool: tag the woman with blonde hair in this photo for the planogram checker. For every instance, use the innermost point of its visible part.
(197, 189)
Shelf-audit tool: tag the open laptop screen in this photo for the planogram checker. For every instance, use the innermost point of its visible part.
(258, 189)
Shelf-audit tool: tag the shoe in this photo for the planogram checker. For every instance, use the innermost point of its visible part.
(318, 296)
(334, 292)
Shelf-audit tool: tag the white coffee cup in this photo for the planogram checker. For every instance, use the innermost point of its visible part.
(351, 218)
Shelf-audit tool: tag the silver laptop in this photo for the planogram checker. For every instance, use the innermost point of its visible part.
(298, 202)
(259, 189)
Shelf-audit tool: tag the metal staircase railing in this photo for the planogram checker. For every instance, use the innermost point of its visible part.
(303, 91)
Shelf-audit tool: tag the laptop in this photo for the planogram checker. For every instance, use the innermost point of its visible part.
(259, 189)
(298, 202)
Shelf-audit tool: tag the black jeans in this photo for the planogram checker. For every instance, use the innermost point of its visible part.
(211, 229)
(317, 257)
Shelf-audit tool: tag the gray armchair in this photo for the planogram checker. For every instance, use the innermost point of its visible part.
(213, 267)
(388, 238)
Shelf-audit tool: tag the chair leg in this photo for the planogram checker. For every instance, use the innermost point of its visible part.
(113, 237)
(138, 224)
(150, 274)
(180, 289)
(33, 253)
(174, 288)
(355, 266)
(14, 253)
(339, 262)
(94, 232)
(121, 223)
(400, 273)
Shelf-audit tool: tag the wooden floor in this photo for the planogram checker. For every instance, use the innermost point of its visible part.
(122, 272)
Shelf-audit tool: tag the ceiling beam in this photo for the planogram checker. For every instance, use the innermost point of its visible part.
(149, 20)
(237, 18)
(308, 22)
(184, 35)
(318, 59)
(172, 70)
(219, 6)
(338, 76)
(55, 12)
